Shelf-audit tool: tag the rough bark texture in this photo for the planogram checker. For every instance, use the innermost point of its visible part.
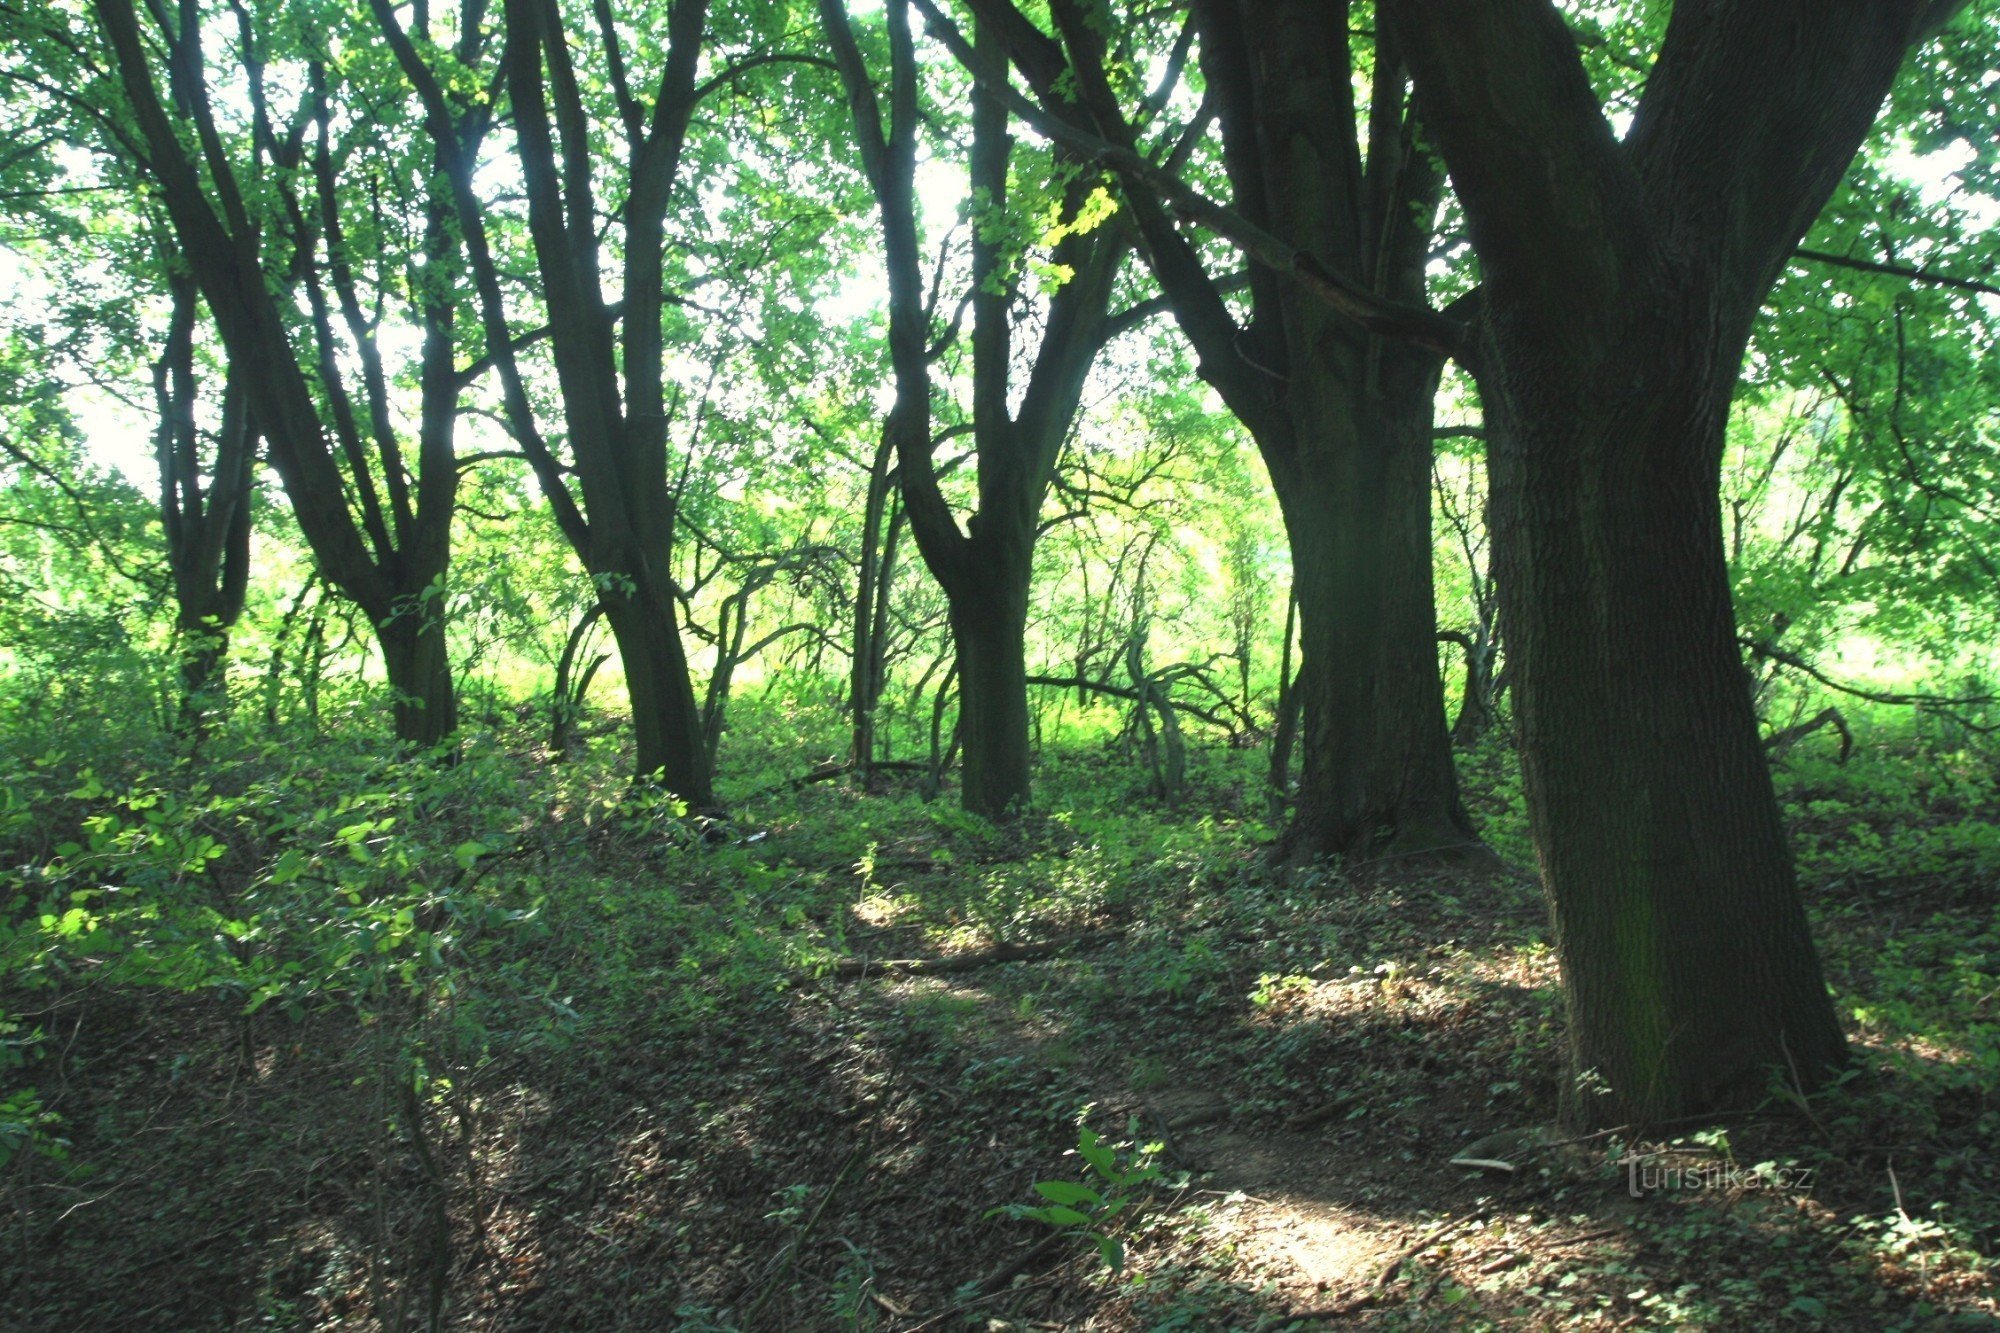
(872, 589)
(1376, 777)
(666, 721)
(1621, 280)
(1344, 427)
(990, 632)
(613, 499)
(419, 671)
(618, 439)
(207, 528)
(1690, 974)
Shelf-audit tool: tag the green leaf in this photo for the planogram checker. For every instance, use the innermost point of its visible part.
(1102, 1160)
(1063, 1191)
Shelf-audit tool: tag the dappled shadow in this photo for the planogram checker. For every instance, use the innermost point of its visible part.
(812, 1151)
(196, 1189)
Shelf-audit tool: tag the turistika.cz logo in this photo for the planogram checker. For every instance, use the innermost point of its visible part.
(1651, 1175)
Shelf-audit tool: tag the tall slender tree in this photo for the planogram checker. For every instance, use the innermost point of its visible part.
(986, 567)
(206, 522)
(621, 510)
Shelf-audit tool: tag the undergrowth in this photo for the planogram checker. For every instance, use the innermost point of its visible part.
(318, 1035)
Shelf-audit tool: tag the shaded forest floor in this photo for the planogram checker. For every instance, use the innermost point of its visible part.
(549, 1061)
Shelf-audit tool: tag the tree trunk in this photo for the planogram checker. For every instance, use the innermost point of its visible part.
(204, 622)
(1622, 276)
(1475, 705)
(1690, 973)
(204, 674)
(1285, 724)
(666, 721)
(865, 680)
(1376, 777)
(990, 633)
(419, 671)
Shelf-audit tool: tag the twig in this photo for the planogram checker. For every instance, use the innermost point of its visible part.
(966, 962)
(1424, 1242)
(1602, 1233)
(899, 1311)
(1167, 1144)
(791, 1250)
(1771, 652)
(963, 1306)
(828, 771)
(998, 1279)
(1320, 1114)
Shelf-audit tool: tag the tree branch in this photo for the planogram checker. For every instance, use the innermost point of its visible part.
(1914, 274)
(1394, 319)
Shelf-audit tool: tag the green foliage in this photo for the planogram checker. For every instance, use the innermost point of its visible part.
(420, 921)
(1089, 1211)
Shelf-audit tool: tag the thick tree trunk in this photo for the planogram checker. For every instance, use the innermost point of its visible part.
(419, 671)
(1690, 974)
(1376, 776)
(990, 632)
(666, 721)
(1621, 278)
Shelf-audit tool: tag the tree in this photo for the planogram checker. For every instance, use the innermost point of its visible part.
(621, 514)
(986, 568)
(247, 233)
(1620, 284)
(206, 525)
(1341, 412)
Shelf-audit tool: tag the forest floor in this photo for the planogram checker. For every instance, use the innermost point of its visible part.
(628, 1077)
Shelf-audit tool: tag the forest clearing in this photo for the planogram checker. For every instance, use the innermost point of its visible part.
(999, 664)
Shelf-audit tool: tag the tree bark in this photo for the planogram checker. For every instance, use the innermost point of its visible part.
(207, 528)
(989, 631)
(1285, 725)
(419, 671)
(1621, 280)
(666, 720)
(1689, 969)
(1376, 778)
(1476, 705)
(613, 502)
(386, 557)
(872, 589)
(1333, 407)
(985, 568)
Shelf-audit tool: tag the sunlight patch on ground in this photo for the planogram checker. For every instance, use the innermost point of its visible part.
(1299, 1243)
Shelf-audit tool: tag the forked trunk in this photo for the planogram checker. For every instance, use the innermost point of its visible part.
(204, 676)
